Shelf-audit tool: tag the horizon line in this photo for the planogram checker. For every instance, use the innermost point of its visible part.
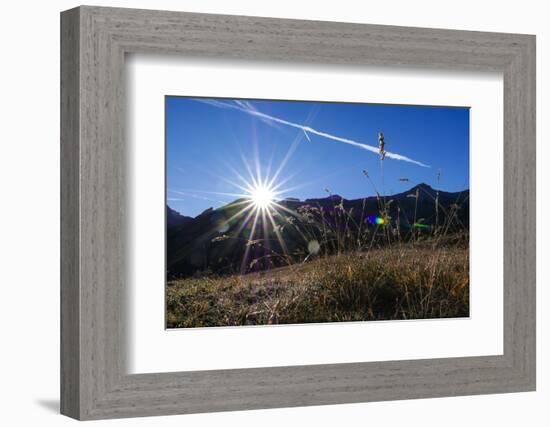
(296, 199)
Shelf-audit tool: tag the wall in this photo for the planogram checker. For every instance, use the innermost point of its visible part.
(29, 226)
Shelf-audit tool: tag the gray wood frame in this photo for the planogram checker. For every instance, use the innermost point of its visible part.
(94, 41)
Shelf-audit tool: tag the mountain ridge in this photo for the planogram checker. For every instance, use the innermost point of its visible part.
(226, 240)
(332, 197)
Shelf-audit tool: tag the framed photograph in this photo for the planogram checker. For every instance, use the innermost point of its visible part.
(262, 213)
(259, 232)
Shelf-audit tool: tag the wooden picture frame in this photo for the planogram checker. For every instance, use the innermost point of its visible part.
(94, 382)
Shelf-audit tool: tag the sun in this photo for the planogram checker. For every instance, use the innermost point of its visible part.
(262, 196)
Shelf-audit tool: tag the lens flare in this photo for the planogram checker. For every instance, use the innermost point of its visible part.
(262, 196)
(313, 247)
(376, 220)
(419, 225)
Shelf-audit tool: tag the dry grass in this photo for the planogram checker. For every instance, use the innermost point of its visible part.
(406, 281)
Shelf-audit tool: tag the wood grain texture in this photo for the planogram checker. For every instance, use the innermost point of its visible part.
(70, 314)
(94, 269)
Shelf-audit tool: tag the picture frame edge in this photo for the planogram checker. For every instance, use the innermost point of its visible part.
(94, 384)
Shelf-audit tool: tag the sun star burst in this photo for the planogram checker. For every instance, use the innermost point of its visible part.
(262, 196)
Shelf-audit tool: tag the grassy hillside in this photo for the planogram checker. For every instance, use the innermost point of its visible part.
(428, 279)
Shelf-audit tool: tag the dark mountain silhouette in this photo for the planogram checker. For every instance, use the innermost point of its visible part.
(174, 218)
(221, 241)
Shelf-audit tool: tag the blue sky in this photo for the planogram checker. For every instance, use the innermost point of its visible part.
(210, 142)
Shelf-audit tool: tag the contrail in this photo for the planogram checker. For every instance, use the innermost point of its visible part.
(306, 129)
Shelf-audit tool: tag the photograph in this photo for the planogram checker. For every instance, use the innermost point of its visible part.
(298, 212)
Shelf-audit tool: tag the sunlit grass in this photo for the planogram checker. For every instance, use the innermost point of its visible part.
(411, 282)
